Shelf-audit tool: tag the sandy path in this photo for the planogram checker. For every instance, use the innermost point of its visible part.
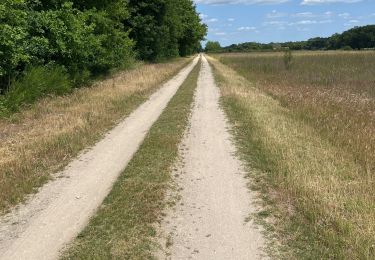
(60, 210)
(209, 221)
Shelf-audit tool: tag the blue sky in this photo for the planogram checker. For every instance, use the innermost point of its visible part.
(236, 21)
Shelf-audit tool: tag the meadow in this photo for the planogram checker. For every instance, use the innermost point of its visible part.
(307, 131)
(332, 91)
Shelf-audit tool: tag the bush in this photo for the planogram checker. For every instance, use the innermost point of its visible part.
(288, 59)
(347, 48)
(35, 83)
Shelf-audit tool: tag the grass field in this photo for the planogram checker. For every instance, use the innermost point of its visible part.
(332, 91)
(308, 134)
(124, 226)
(44, 137)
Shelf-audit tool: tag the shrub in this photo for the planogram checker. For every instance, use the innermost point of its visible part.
(347, 48)
(35, 83)
(288, 59)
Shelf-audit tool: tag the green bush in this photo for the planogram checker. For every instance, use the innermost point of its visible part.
(347, 48)
(36, 82)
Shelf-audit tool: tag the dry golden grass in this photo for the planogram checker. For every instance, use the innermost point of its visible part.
(45, 137)
(320, 197)
(333, 91)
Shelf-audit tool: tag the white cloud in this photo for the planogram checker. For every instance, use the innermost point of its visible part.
(344, 15)
(305, 14)
(305, 22)
(277, 24)
(212, 20)
(203, 16)
(231, 20)
(316, 2)
(274, 23)
(222, 2)
(308, 22)
(246, 28)
(304, 29)
(220, 33)
(275, 14)
(351, 23)
(327, 14)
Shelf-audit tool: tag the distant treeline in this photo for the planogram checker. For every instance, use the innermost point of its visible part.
(73, 40)
(356, 38)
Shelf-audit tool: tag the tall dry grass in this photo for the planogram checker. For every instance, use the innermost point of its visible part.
(43, 138)
(319, 199)
(332, 91)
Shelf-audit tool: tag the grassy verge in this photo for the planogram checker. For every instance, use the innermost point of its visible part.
(123, 228)
(316, 197)
(331, 91)
(43, 138)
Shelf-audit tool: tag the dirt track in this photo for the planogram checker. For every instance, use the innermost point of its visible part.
(59, 211)
(209, 221)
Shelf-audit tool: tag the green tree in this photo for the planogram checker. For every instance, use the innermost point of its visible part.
(165, 28)
(13, 35)
(213, 46)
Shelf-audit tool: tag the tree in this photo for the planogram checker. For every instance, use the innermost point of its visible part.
(213, 46)
(165, 28)
(13, 35)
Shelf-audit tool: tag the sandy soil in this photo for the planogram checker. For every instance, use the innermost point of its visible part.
(60, 210)
(209, 221)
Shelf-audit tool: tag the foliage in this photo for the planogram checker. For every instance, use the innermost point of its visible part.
(164, 28)
(13, 35)
(92, 37)
(34, 84)
(356, 38)
(213, 47)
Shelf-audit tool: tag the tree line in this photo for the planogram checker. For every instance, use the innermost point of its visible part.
(77, 39)
(357, 38)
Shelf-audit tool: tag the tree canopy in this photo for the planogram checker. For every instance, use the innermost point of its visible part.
(356, 38)
(89, 37)
(212, 46)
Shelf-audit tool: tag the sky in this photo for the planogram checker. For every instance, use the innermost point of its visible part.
(237, 21)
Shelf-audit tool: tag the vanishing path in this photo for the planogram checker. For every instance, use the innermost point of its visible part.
(209, 221)
(62, 208)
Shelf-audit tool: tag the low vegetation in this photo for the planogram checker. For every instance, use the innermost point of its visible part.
(334, 92)
(40, 140)
(124, 226)
(307, 134)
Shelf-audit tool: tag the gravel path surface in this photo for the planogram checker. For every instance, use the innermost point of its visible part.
(209, 221)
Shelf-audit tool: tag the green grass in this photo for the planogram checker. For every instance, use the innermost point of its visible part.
(37, 82)
(318, 202)
(123, 227)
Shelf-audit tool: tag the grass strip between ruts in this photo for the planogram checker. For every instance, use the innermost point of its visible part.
(123, 227)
